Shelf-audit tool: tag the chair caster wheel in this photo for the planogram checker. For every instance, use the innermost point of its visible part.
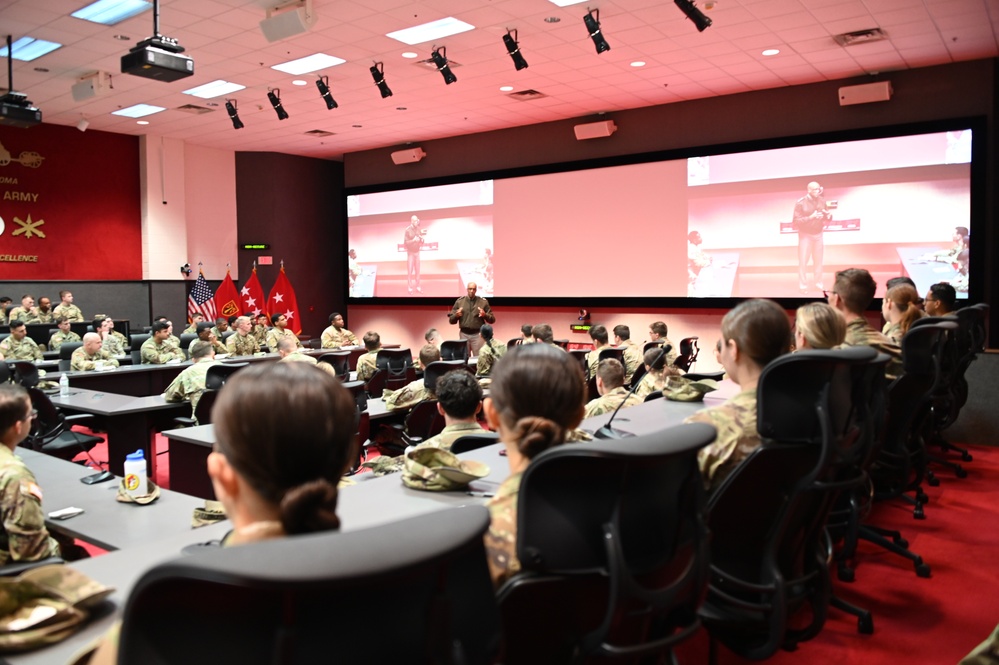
(960, 473)
(918, 513)
(922, 570)
(846, 574)
(901, 542)
(966, 457)
(933, 481)
(865, 624)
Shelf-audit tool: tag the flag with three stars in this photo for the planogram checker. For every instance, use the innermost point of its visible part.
(252, 296)
(201, 299)
(227, 302)
(283, 301)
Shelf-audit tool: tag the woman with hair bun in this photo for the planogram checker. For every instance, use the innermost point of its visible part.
(536, 399)
(900, 308)
(489, 352)
(284, 437)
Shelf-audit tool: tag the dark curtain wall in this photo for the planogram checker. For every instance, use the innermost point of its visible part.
(296, 205)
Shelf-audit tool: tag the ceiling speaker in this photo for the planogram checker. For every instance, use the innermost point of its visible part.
(595, 130)
(865, 94)
(408, 156)
(287, 20)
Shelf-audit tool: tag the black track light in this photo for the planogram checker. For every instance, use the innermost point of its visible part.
(230, 108)
(323, 83)
(701, 21)
(275, 98)
(378, 74)
(439, 56)
(593, 27)
(513, 48)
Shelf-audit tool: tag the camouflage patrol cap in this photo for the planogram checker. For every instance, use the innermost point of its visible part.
(439, 470)
(210, 513)
(152, 493)
(680, 389)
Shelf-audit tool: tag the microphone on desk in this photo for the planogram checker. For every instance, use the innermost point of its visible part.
(608, 432)
(103, 475)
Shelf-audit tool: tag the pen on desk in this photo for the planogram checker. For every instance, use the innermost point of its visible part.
(484, 495)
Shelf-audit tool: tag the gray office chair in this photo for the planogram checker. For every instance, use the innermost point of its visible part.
(310, 598)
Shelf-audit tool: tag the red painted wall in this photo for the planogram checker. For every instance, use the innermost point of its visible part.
(69, 202)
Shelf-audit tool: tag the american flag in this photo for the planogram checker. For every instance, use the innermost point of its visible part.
(201, 299)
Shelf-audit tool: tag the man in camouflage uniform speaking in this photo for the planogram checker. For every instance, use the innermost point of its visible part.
(23, 536)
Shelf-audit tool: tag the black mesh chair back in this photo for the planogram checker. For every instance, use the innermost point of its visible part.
(580, 355)
(66, 355)
(437, 369)
(376, 384)
(650, 345)
(25, 373)
(655, 394)
(51, 432)
(454, 349)
(136, 347)
(701, 376)
(340, 361)
(469, 442)
(302, 598)
(422, 422)
(218, 374)
(226, 335)
(615, 352)
(399, 381)
(394, 361)
(516, 341)
(618, 528)
(563, 343)
(186, 339)
(688, 353)
(356, 389)
(5, 373)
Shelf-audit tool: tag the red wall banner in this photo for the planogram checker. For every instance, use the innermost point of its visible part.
(69, 204)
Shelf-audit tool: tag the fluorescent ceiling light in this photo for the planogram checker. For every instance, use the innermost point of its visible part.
(214, 89)
(109, 12)
(29, 48)
(434, 30)
(565, 3)
(138, 111)
(309, 63)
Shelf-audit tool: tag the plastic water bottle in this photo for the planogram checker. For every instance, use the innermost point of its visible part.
(135, 473)
(63, 386)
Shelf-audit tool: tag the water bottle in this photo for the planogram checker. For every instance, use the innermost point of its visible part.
(135, 474)
(63, 386)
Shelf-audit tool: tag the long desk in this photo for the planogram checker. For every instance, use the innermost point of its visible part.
(129, 421)
(924, 273)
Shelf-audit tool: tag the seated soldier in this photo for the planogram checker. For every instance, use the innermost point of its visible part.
(18, 346)
(542, 334)
(23, 536)
(432, 337)
(64, 334)
(26, 313)
(367, 363)
(67, 308)
(656, 373)
(205, 334)
(657, 334)
(601, 341)
(292, 354)
(489, 352)
(112, 342)
(610, 385)
(632, 352)
(44, 312)
(4, 304)
(336, 336)
(260, 329)
(192, 329)
(221, 326)
(852, 293)
(242, 342)
(941, 299)
(412, 394)
(91, 355)
(526, 334)
(190, 384)
(173, 339)
(279, 331)
(157, 350)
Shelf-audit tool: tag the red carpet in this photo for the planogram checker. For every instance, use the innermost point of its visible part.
(916, 620)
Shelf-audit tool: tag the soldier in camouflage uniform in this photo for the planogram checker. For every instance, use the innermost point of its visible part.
(601, 340)
(291, 354)
(610, 385)
(632, 352)
(536, 397)
(657, 334)
(753, 334)
(26, 313)
(853, 291)
(205, 334)
(279, 331)
(4, 304)
(489, 352)
(63, 335)
(86, 357)
(67, 308)
(412, 394)
(192, 329)
(44, 313)
(656, 373)
(113, 343)
(336, 335)
(260, 329)
(190, 384)
(23, 536)
(18, 346)
(242, 342)
(367, 363)
(157, 350)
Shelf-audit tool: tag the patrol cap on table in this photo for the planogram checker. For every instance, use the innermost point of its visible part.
(152, 493)
(438, 470)
(680, 389)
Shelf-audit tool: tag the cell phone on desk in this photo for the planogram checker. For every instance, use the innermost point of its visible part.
(65, 513)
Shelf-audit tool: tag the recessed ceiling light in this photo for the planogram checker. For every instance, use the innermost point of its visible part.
(309, 63)
(122, 38)
(299, 82)
(27, 49)
(565, 3)
(638, 63)
(142, 122)
(552, 19)
(357, 126)
(400, 108)
(138, 111)
(506, 88)
(434, 30)
(216, 88)
(771, 51)
(410, 54)
(43, 70)
(109, 12)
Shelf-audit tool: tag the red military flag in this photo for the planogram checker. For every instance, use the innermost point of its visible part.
(283, 301)
(252, 296)
(201, 300)
(227, 301)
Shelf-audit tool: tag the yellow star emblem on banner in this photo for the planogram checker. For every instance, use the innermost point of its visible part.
(29, 229)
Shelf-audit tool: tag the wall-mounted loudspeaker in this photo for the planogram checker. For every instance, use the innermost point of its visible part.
(408, 156)
(595, 130)
(289, 19)
(91, 85)
(865, 94)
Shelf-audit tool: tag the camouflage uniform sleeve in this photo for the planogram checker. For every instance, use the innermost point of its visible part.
(327, 339)
(79, 362)
(484, 363)
(109, 360)
(592, 360)
(351, 338)
(23, 519)
(176, 391)
(406, 397)
(736, 437)
(501, 538)
(595, 407)
(5, 347)
(365, 367)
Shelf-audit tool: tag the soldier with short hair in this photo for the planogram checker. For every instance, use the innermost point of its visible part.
(415, 392)
(632, 352)
(279, 331)
(26, 312)
(242, 342)
(67, 308)
(190, 384)
(44, 312)
(367, 363)
(91, 355)
(18, 346)
(292, 354)
(610, 385)
(63, 335)
(157, 350)
(336, 336)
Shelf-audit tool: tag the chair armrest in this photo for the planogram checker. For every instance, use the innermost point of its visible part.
(12, 569)
(77, 418)
(184, 421)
